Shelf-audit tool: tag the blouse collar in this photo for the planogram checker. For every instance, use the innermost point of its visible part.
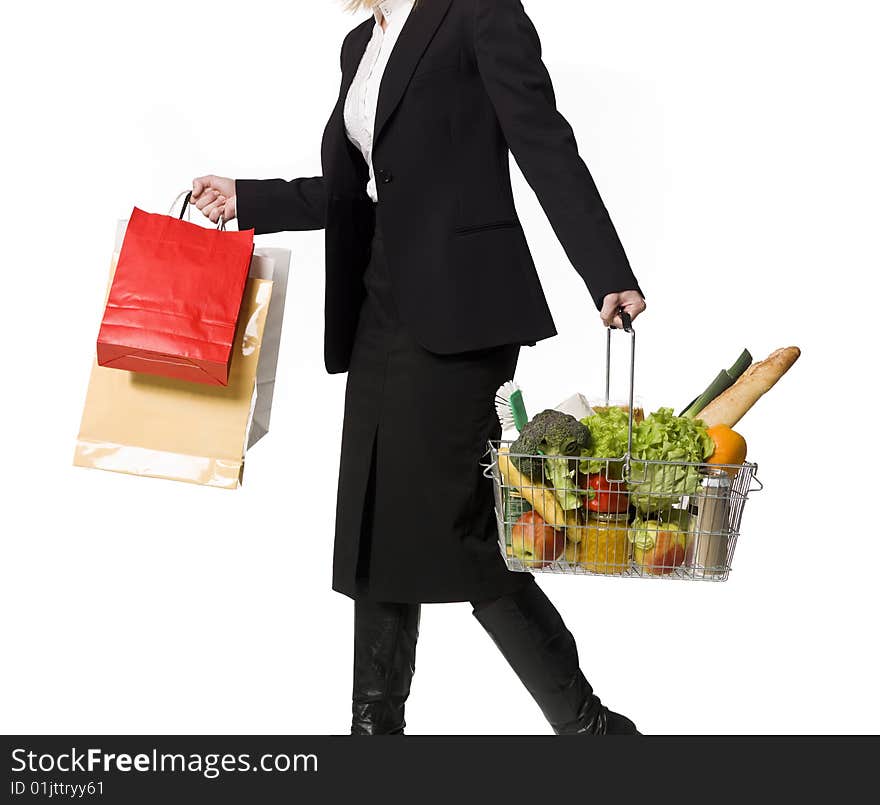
(389, 8)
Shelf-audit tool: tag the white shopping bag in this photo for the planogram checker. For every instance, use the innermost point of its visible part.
(268, 263)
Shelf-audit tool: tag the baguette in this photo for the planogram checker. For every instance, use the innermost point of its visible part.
(733, 404)
(541, 497)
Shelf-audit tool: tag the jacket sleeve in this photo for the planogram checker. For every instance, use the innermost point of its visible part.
(277, 205)
(541, 140)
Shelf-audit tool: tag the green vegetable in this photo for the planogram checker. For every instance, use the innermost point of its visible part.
(743, 362)
(721, 383)
(610, 432)
(667, 438)
(555, 435)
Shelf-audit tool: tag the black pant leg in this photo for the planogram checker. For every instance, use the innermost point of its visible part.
(530, 633)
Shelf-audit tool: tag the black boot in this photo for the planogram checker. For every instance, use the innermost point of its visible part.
(385, 636)
(531, 635)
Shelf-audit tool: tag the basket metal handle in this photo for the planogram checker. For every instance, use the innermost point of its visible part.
(626, 320)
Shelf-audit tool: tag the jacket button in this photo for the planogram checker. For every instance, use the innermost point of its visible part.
(385, 177)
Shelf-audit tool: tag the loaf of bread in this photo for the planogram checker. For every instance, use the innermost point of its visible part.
(730, 406)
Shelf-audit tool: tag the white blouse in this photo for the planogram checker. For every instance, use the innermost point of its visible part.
(363, 95)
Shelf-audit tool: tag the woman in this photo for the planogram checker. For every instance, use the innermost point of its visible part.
(430, 293)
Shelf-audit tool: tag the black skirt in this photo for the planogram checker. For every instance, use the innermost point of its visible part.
(415, 516)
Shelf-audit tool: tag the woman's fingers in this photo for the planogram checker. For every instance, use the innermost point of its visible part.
(205, 187)
(636, 310)
(609, 309)
(201, 184)
(208, 196)
(631, 301)
(214, 196)
(215, 213)
(208, 206)
(220, 184)
(214, 210)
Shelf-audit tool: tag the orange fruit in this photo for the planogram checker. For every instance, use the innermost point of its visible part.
(730, 447)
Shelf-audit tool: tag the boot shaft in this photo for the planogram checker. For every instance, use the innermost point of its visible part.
(385, 637)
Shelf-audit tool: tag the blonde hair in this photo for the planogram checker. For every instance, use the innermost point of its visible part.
(357, 5)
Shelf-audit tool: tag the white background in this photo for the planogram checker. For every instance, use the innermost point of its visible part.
(735, 146)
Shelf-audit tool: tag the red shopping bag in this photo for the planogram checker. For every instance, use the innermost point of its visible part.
(175, 299)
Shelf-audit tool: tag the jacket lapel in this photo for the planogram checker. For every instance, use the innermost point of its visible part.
(355, 53)
(417, 32)
(344, 168)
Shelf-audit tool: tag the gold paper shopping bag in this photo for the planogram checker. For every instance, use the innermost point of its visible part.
(162, 428)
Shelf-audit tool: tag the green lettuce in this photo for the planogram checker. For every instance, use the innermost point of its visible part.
(610, 432)
(667, 438)
(660, 437)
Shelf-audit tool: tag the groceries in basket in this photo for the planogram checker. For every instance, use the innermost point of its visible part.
(613, 493)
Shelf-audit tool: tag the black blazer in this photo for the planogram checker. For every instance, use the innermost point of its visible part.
(464, 87)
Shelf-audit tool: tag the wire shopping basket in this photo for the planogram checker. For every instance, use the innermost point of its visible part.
(669, 534)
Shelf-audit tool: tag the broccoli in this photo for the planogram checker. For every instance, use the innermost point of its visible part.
(553, 433)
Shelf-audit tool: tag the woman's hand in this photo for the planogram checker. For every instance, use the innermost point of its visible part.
(214, 196)
(631, 301)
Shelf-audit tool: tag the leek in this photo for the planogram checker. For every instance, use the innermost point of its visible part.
(743, 362)
(720, 384)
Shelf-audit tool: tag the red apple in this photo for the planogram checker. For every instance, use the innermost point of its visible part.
(534, 542)
(659, 549)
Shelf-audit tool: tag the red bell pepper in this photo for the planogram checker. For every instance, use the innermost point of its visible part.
(605, 495)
